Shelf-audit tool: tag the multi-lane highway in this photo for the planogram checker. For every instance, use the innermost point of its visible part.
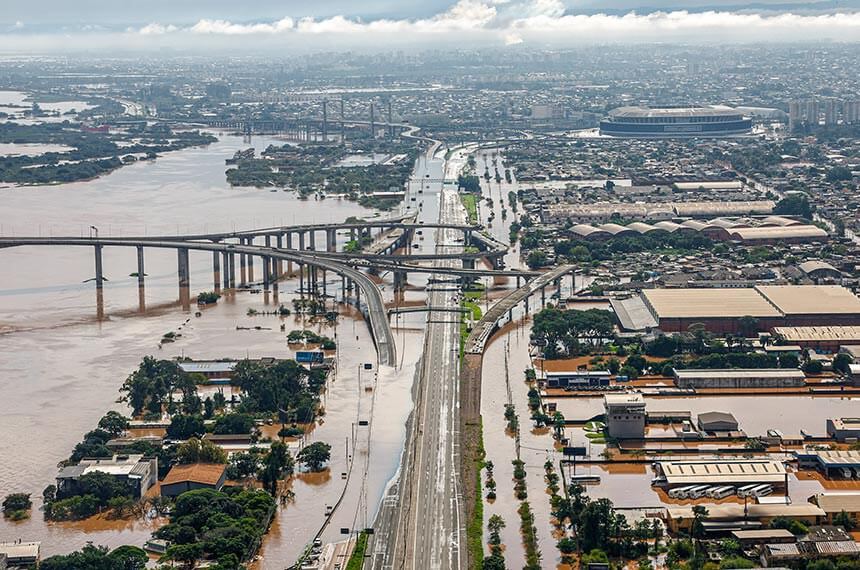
(421, 524)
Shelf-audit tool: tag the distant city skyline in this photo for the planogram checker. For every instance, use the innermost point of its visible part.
(54, 25)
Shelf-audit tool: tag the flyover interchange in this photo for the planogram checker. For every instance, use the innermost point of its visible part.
(224, 248)
(330, 260)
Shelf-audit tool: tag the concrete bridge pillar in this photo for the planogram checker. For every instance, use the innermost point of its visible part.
(289, 237)
(232, 262)
(301, 280)
(331, 241)
(325, 287)
(100, 277)
(351, 234)
(225, 264)
(467, 237)
(141, 274)
(279, 263)
(250, 241)
(216, 270)
(302, 241)
(518, 282)
(543, 297)
(527, 304)
(312, 240)
(468, 263)
(266, 272)
(243, 266)
(184, 284)
(399, 280)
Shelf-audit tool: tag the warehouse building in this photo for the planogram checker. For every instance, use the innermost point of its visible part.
(733, 516)
(843, 429)
(813, 305)
(577, 379)
(835, 502)
(719, 310)
(739, 378)
(833, 463)
(722, 472)
(825, 338)
(772, 306)
(718, 423)
(625, 415)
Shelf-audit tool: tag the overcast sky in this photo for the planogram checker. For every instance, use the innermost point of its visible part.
(61, 25)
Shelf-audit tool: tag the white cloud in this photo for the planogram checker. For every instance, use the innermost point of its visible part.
(491, 22)
(18, 25)
(227, 28)
(155, 29)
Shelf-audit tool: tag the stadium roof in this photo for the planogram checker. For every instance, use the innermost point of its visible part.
(693, 303)
(636, 112)
(811, 299)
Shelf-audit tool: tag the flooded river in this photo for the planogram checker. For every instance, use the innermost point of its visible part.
(60, 367)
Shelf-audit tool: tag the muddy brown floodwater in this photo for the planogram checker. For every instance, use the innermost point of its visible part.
(60, 367)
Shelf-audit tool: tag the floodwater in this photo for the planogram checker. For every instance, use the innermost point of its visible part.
(509, 349)
(626, 484)
(755, 414)
(61, 367)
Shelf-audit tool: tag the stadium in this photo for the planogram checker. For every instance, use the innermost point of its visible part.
(645, 122)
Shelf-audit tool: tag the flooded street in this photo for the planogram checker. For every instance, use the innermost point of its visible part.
(60, 367)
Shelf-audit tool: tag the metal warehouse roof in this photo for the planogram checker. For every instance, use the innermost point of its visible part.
(208, 367)
(811, 299)
(836, 333)
(736, 511)
(723, 471)
(779, 232)
(832, 458)
(689, 373)
(838, 502)
(695, 303)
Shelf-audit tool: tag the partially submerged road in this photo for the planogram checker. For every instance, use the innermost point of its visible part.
(421, 525)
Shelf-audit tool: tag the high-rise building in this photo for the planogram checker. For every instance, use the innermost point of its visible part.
(793, 115)
(830, 112)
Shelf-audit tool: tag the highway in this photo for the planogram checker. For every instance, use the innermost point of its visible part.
(421, 524)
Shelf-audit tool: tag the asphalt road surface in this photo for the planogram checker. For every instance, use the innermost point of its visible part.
(421, 525)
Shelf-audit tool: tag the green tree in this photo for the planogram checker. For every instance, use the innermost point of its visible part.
(185, 427)
(842, 362)
(277, 464)
(813, 367)
(315, 455)
(794, 205)
(845, 520)
(200, 451)
(235, 423)
(114, 423)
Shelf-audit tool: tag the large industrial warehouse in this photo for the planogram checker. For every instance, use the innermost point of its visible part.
(772, 306)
